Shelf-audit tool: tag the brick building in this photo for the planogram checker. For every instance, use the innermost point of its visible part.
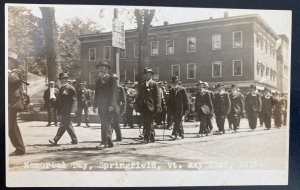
(239, 49)
(282, 64)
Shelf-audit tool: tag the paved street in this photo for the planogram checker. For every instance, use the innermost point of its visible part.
(243, 150)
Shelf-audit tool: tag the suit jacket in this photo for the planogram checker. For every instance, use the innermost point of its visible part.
(148, 97)
(66, 99)
(83, 96)
(105, 92)
(222, 104)
(267, 104)
(253, 102)
(47, 96)
(237, 103)
(178, 101)
(203, 98)
(15, 91)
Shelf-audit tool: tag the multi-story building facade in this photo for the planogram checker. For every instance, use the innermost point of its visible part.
(240, 49)
(282, 64)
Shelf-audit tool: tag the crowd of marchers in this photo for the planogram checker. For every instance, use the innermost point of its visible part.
(162, 103)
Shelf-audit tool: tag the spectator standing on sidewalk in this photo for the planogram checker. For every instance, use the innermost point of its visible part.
(50, 97)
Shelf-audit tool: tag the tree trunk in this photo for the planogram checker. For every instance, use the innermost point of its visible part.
(49, 28)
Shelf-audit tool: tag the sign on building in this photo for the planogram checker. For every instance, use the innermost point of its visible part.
(118, 34)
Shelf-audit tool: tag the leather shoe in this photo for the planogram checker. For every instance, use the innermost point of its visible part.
(53, 142)
(74, 142)
(17, 153)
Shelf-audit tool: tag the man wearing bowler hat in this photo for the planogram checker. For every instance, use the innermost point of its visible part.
(237, 107)
(50, 97)
(15, 102)
(105, 99)
(178, 105)
(267, 103)
(203, 107)
(148, 103)
(252, 106)
(222, 107)
(65, 104)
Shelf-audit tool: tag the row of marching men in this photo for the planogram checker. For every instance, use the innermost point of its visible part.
(110, 101)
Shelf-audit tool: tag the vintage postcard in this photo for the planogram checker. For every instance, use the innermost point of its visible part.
(132, 96)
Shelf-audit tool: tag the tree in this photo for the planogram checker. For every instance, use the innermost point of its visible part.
(50, 35)
(143, 19)
(25, 37)
(69, 45)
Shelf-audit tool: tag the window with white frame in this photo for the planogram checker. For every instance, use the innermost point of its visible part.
(258, 39)
(217, 69)
(169, 47)
(154, 48)
(122, 54)
(92, 54)
(155, 75)
(262, 69)
(106, 53)
(237, 39)
(258, 67)
(237, 67)
(175, 70)
(136, 50)
(93, 76)
(191, 44)
(191, 71)
(267, 47)
(267, 71)
(216, 41)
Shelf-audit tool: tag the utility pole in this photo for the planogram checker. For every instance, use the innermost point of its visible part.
(116, 67)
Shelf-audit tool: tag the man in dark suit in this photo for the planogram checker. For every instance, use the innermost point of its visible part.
(105, 100)
(120, 110)
(148, 103)
(203, 107)
(178, 105)
(252, 106)
(267, 103)
(222, 107)
(212, 97)
(15, 103)
(65, 104)
(83, 101)
(50, 97)
(237, 107)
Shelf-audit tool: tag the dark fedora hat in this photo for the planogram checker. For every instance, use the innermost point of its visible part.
(103, 64)
(174, 79)
(252, 86)
(63, 76)
(233, 85)
(148, 70)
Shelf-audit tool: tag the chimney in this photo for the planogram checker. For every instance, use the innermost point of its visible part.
(210, 18)
(166, 23)
(225, 14)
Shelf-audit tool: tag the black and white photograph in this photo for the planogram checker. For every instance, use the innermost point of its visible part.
(146, 96)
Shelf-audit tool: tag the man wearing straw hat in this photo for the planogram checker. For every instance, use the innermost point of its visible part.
(105, 100)
(65, 103)
(15, 103)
